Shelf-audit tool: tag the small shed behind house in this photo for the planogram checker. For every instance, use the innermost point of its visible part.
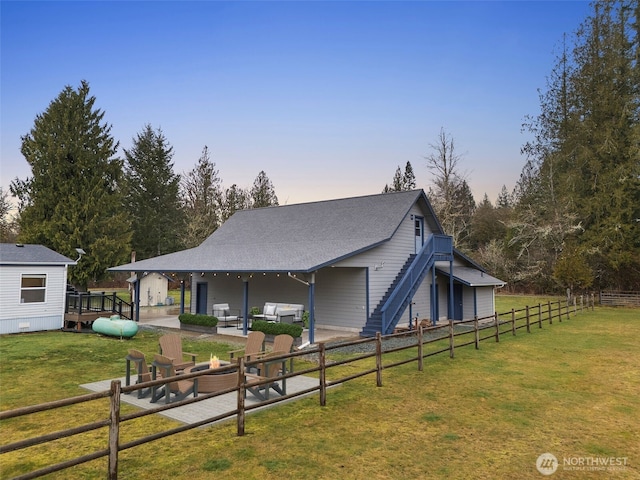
(154, 289)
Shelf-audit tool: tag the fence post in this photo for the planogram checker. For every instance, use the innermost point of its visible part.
(420, 358)
(513, 322)
(242, 392)
(550, 315)
(477, 331)
(495, 314)
(582, 303)
(528, 323)
(560, 310)
(593, 302)
(539, 315)
(378, 359)
(322, 357)
(451, 347)
(114, 429)
(575, 306)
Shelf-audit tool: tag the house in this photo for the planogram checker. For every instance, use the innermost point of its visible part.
(153, 288)
(363, 264)
(33, 283)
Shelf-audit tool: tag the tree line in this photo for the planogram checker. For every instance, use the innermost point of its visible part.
(81, 195)
(573, 218)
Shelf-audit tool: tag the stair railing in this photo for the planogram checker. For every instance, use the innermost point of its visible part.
(436, 245)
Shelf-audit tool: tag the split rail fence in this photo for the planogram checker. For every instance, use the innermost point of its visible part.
(620, 299)
(444, 338)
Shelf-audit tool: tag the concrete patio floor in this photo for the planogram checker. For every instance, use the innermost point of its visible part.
(209, 408)
(164, 318)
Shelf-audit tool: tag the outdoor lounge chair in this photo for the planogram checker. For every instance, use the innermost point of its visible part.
(171, 346)
(271, 368)
(171, 391)
(253, 347)
(144, 375)
(225, 315)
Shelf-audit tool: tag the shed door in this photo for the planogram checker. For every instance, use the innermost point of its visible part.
(419, 232)
(201, 298)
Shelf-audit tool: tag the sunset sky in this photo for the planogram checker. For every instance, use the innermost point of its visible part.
(328, 98)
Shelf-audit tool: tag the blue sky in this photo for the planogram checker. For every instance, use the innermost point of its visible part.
(328, 98)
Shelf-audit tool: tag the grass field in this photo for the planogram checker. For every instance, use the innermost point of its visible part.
(571, 389)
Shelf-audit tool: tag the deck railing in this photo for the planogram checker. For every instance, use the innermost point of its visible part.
(87, 302)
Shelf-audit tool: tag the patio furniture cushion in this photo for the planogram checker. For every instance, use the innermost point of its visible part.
(283, 312)
(223, 313)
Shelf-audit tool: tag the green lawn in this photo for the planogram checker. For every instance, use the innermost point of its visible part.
(571, 389)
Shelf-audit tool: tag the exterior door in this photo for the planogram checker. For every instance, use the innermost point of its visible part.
(419, 232)
(201, 298)
(457, 301)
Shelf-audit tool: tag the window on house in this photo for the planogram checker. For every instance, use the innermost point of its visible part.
(33, 288)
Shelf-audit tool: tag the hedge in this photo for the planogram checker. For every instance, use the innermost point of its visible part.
(271, 328)
(198, 319)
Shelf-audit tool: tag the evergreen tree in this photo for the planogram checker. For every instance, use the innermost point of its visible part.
(583, 162)
(402, 182)
(202, 193)
(408, 178)
(504, 198)
(397, 184)
(485, 225)
(151, 195)
(234, 199)
(572, 271)
(263, 193)
(72, 200)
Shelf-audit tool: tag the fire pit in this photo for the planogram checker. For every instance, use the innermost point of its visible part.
(214, 381)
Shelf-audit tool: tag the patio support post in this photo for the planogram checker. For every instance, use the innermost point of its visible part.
(137, 290)
(410, 313)
(450, 315)
(245, 304)
(181, 296)
(434, 294)
(312, 319)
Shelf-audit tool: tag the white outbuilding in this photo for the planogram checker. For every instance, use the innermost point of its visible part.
(33, 285)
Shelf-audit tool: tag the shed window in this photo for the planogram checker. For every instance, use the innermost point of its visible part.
(33, 288)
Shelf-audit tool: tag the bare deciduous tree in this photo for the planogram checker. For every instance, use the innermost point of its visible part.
(450, 192)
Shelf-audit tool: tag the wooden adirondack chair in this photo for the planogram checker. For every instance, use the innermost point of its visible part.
(180, 389)
(171, 347)
(144, 374)
(272, 368)
(253, 347)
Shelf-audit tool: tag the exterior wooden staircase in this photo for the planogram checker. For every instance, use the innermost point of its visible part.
(392, 306)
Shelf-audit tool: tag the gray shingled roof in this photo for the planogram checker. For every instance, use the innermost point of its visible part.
(19, 254)
(296, 238)
(472, 277)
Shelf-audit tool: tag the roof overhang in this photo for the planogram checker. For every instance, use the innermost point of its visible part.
(472, 277)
